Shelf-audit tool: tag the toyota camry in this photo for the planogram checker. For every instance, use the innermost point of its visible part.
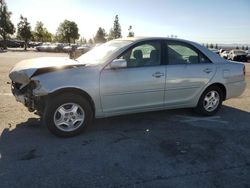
(125, 76)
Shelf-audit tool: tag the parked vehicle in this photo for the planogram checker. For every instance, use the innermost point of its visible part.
(125, 76)
(12, 43)
(237, 55)
(224, 54)
(57, 47)
(248, 54)
(34, 44)
(79, 51)
(67, 48)
(70, 48)
(50, 47)
(43, 47)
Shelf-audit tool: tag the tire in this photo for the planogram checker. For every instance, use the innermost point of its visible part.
(67, 114)
(203, 107)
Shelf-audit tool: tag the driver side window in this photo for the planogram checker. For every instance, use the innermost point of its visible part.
(146, 54)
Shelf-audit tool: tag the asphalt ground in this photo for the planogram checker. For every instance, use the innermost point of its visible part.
(172, 148)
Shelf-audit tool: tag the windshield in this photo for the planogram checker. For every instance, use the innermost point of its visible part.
(100, 54)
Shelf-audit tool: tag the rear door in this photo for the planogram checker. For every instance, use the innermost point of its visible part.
(187, 72)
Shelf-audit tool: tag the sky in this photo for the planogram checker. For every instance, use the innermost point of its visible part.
(204, 21)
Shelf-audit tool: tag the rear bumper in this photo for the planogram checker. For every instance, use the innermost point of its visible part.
(235, 89)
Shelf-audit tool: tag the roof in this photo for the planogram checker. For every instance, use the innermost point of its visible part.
(142, 38)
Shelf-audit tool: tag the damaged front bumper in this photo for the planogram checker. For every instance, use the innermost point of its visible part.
(24, 94)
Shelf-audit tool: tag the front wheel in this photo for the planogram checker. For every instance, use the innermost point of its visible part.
(68, 114)
(210, 101)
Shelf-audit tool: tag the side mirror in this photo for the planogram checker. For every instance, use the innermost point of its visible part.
(118, 63)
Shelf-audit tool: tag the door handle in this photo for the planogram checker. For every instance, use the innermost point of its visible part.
(158, 74)
(207, 70)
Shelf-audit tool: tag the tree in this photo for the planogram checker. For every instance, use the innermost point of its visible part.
(24, 31)
(216, 46)
(243, 47)
(116, 31)
(246, 47)
(211, 46)
(237, 47)
(6, 26)
(82, 41)
(90, 41)
(207, 45)
(110, 35)
(41, 34)
(67, 32)
(100, 36)
(130, 32)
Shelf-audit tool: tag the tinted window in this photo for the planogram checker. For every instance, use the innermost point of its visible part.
(146, 54)
(180, 53)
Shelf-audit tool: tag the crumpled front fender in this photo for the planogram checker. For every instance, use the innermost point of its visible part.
(21, 76)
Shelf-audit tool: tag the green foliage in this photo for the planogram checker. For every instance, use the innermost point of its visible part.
(243, 47)
(100, 36)
(207, 45)
(67, 32)
(246, 47)
(6, 26)
(211, 46)
(24, 30)
(41, 33)
(216, 46)
(116, 31)
(237, 47)
(130, 32)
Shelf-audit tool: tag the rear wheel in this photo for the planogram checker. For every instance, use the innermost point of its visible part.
(210, 101)
(68, 114)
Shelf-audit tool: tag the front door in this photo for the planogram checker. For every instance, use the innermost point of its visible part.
(140, 85)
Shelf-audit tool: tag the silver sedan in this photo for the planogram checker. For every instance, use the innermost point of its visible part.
(125, 76)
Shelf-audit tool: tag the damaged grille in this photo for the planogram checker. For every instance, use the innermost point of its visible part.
(16, 85)
(17, 88)
(29, 100)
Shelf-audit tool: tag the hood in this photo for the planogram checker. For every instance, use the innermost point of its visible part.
(25, 69)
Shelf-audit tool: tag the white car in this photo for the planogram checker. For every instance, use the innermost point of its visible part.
(224, 54)
(237, 55)
(125, 76)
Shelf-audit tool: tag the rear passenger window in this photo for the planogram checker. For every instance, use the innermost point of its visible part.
(180, 53)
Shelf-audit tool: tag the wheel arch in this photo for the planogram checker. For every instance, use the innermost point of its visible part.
(222, 88)
(76, 91)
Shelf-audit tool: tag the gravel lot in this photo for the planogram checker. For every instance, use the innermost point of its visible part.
(174, 148)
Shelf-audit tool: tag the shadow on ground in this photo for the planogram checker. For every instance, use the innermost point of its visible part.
(174, 148)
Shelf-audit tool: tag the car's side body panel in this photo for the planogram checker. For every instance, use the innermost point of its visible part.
(231, 76)
(184, 82)
(132, 88)
(84, 78)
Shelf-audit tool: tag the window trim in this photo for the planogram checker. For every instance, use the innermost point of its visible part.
(167, 42)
